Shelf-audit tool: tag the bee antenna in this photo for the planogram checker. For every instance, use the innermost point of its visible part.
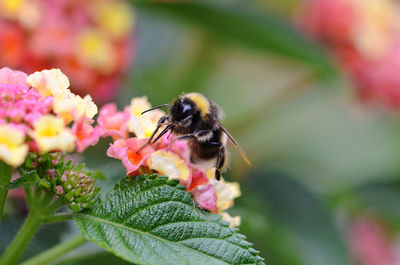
(158, 107)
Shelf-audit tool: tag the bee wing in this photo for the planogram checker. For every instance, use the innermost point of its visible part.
(235, 144)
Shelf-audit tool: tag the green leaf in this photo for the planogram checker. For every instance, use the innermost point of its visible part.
(26, 179)
(243, 26)
(154, 221)
(5, 173)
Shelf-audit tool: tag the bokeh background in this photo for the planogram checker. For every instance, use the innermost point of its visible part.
(310, 90)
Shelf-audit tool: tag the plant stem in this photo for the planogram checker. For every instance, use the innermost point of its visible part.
(60, 217)
(21, 240)
(5, 177)
(41, 206)
(55, 252)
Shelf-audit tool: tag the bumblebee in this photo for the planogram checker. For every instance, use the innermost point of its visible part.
(196, 118)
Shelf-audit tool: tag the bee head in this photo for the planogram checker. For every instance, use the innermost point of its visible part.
(182, 112)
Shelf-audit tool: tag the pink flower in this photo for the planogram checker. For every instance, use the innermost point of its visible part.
(19, 103)
(31, 103)
(8, 76)
(126, 151)
(54, 33)
(330, 20)
(370, 243)
(204, 195)
(199, 178)
(377, 79)
(364, 37)
(114, 122)
(85, 134)
(12, 42)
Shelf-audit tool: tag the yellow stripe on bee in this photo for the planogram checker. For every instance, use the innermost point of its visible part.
(201, 102)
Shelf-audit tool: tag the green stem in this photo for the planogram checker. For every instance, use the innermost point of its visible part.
(60, 217)
(21, 240)
(5, 177)
(41, 206)
(55, 252)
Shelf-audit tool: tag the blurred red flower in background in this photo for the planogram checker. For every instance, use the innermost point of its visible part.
(91, 41)
(364, 36)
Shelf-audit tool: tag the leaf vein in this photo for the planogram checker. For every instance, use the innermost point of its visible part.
(146, 234)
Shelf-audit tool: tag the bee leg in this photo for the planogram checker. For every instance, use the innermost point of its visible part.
(217, 174)
(169, 127)
(159, 124)
(186, 121)
(203, 135)
(220, 163)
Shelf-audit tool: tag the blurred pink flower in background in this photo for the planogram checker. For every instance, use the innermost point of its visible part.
(370, 243)
(364, 37)
(90, 41)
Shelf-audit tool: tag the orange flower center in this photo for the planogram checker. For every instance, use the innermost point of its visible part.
(134, 157)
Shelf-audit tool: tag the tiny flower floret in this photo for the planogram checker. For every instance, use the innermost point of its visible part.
(51, 134)
(49, 82)
(170, 164)
(114, 122)
(8, 76)
(143, 125)
(13, 150)
(65, 103)
(226, 192)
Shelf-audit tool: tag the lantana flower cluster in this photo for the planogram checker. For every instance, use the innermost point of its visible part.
(130, 131)
(91, 41)
(364, 35)
(38, 113)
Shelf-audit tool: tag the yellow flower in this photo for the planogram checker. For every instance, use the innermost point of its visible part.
(51, 134)
(226, 192)
(233, 221)
(168, 163)
(11, 8)
(116, 18)
(49, 82)
(95, 50)
(30, 14)
(86, 106)
(376, 21)
(65, 103)
(68, 105)
(12, 148)
(138, 105)
(143, 125)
